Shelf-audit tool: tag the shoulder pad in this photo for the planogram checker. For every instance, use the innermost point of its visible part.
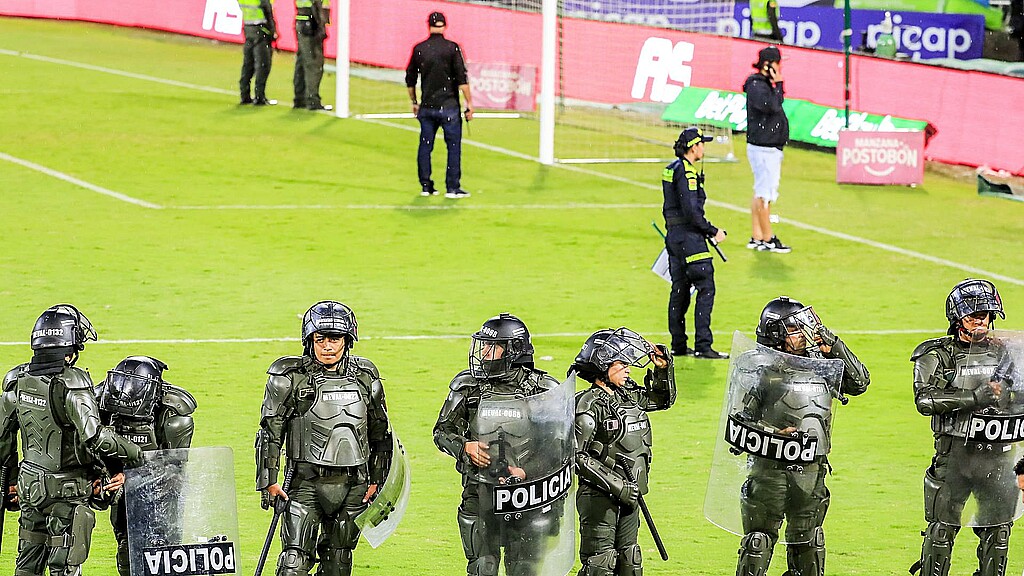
(463, 380)
(178, 400)
(365, 365)
(284, 365)
(929, 345)
(547, 381)
(13, 375)
(585, 399)
(76, 379)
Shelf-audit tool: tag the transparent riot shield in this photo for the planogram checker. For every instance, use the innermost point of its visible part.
(181, 513)
(527, 495)
(773, 433)
(382, 516)
(975, 485)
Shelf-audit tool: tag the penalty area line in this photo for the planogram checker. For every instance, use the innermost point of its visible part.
(78, 182)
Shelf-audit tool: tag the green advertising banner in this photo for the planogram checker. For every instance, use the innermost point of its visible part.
(808, 122)
(993, 16)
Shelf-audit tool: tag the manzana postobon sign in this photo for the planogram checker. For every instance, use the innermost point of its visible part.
(808, 122)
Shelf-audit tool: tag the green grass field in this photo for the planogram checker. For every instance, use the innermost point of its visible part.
(265, 211)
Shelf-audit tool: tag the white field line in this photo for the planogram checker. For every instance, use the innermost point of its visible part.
(406, 337)
(810, 227)
(505, 207)
(77, 182)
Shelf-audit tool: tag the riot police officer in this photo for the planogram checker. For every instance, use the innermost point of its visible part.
(953, 381)
(613, 445)
(141, 406)
(788, 395)
(689, 260)
(499, 445)
(63, 440)
(326, 411)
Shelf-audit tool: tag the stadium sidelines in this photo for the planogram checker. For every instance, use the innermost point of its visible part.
(724, 205)
(406, 337)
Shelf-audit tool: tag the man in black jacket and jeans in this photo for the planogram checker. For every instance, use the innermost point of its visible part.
(767, 134)
(443, 68)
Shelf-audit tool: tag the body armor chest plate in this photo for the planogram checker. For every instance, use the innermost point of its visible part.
(972, 370)
(45, 442)
(801, 400)
(502, 421)
(334, 431)
(137, 432)
(628, 433)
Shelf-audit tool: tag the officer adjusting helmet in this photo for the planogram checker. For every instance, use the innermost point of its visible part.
(133, 387)
(606, 347)
(329, 318)
(782, 314)
(500, 347)
(62, 326)
(689, 138)
(970, 296)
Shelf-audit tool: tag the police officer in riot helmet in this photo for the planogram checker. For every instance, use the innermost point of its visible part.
(501, 367)
(955, 377)
(140, 405)
(326, 411)
(613, 444)
(63, 441)
(786, 396)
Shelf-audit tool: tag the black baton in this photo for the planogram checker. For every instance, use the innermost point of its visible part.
(717, 249)
(288, 474)
(624, 464)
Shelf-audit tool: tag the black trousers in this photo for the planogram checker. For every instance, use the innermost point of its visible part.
(256, 56)
(699, 274)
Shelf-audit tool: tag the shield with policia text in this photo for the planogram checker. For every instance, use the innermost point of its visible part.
(773, 434)
(979, 487)
(385, 512)
(182, 519)
(527, 497)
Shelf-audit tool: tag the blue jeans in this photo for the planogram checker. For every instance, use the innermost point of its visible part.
(449, 120)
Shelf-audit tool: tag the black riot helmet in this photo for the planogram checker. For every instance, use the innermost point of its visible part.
(62, 326)
(500, 347)
(133, 387)
(606, 347)
(970, 296)
(329, 318)
(779, 316)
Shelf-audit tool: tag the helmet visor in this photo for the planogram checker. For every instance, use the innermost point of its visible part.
(129, 394)
(628, 347)
(805, 323)
(492, 357)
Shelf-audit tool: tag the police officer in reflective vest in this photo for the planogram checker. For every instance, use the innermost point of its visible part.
(311, 20)
(63, 441)
(951, 383)
(140, 405)
(613, 433)
(689, 259)
(260, 32)
(326, 410)
(500, 368)
(764, 21)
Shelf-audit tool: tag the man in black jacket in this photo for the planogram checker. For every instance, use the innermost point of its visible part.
(767, 134)
(689, 260)
(443, 68)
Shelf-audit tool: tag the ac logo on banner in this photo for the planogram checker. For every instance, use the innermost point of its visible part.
(662, 61)
(223, 16)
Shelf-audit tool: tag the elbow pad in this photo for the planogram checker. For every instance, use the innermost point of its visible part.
(268, 460)
(107, 444)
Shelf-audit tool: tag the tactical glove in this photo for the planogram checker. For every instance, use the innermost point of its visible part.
(827, 337)
(984, 395)
(1004, 371)
(629, 494)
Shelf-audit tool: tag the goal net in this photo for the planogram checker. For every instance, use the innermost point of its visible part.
(614, 65)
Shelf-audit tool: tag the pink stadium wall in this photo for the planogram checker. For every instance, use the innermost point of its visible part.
(974, 112)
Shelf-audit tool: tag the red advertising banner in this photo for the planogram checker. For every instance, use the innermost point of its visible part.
(615, 63)
(880, 157)
(503, 86)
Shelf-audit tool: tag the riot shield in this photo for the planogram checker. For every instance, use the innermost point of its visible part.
(977, 486)
(382, 516)
(774, 430)
(181, 513)
(527, 497)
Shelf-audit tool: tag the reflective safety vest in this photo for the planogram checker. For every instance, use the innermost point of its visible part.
(759, 23)
(252, 12)
(304, 9)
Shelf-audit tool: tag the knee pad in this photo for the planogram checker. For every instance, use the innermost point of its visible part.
(335, 562)
(474, 538)
(293, 562)
(482, 566)
(298, 529)
(602, 564)
(808, 559)
(937, 549)
(931, 495)
(755, 554)
(992, 549)
(631, 562)
(339, 533)
(72, 546)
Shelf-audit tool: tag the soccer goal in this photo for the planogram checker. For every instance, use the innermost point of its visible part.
(588, 81)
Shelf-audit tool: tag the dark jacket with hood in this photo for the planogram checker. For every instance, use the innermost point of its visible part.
(767, 124)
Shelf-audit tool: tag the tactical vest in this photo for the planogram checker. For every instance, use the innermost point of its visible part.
(138, 432)
(49, 440)
(759, 23)
(252, 13)
(623, 428)
(333, 431)
(971, 369)
(303, 9)
(803, 400)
